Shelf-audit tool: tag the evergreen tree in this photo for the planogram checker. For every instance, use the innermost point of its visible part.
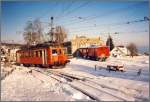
(110, 43)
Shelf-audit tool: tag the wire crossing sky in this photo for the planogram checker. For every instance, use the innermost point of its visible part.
(125, 21)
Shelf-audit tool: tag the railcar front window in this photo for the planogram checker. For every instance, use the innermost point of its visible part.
(60, 52)
(54, 52)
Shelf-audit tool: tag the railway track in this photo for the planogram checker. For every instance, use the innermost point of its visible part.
(94, 90)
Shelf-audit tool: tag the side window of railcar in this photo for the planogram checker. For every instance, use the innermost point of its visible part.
(18, 55)
(24, 54)
(31, 54)
(28, 54)
(36, 53)
(40, 53)
(21, 54)
(65, 51)
(54, 52)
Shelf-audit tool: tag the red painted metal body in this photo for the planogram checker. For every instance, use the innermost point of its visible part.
(95, 53)
(46, 56)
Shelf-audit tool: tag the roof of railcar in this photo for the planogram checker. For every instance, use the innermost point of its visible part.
(40, 46)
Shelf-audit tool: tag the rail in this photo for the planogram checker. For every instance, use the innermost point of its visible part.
(90, 88)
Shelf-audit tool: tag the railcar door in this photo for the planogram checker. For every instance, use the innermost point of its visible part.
(44, 57)
(54, 56)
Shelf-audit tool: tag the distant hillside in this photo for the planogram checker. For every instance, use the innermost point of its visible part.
(143, 49)
(10, 44)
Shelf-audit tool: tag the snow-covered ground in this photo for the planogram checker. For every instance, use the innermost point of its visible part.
(24, 86)
(128, 81)
(131, 65)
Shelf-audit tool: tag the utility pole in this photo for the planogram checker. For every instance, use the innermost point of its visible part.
(52, 33)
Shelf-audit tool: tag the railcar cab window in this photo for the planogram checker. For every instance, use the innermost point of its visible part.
(60, 52)
(54, 52)
(65, 51)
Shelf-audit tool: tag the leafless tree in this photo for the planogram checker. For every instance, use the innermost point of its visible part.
(133, 49)
(60, 35)
(33, 32)
(28, 32)
(38, 29)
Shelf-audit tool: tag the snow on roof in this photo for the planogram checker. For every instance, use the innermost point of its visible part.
(120, 49)
(94, 46)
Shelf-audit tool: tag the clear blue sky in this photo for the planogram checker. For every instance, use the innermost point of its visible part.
(80, 17)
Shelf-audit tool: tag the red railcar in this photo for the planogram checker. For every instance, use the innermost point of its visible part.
(42, 56)
(94, 52)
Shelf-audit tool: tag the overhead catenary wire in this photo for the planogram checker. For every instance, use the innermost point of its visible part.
(105, 14)
(113, 24)
(75, 9)
(65, 9)
(115, 33)
(89, 17)
(110, 24)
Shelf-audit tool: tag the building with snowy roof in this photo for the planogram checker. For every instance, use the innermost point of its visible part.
(120, 51)
(83, 41)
